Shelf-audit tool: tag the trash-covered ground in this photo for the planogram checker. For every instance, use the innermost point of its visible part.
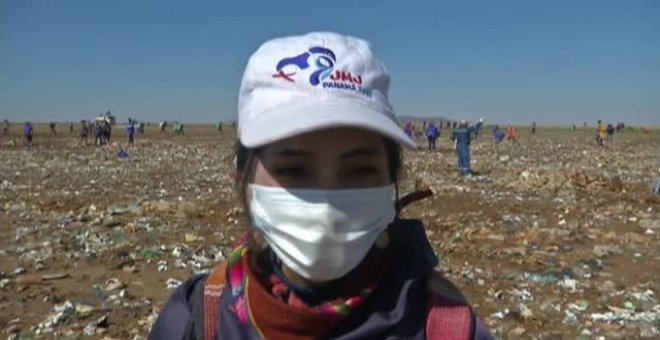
(551, 238)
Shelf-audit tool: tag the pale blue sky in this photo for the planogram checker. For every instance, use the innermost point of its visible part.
(556, 62)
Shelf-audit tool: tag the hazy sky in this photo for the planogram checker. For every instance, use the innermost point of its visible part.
(556, 62)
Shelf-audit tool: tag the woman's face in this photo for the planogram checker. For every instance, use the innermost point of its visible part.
(336, 158)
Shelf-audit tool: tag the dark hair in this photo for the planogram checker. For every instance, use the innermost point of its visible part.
(392, 151)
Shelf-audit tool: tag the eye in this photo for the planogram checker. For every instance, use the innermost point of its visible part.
(365, 170)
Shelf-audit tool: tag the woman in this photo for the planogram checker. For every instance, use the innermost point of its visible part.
(326, 255)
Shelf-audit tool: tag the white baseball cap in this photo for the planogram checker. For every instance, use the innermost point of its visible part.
(300, 84)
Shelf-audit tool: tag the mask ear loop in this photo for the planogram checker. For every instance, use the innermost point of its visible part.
(257, 242)
(383, 239)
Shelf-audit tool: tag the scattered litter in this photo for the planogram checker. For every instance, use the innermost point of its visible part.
(551, 231)
(122, 154)
(172, 283)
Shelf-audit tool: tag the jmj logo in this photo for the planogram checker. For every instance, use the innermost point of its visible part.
(346, 77)
(323, 60)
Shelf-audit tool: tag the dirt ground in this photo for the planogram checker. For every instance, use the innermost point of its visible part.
(551, 238)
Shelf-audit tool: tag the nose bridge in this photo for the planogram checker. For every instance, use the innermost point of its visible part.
(328, 176)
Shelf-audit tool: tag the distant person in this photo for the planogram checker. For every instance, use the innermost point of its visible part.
(477, 127)
(511, 133)
(462, 137)
(107, 129)
(601, 133)
(574, 127)
(163, 126)
(498, 135)
(140, 128)
(454, 125)
(408, 130)
(533, 127)
(178, 128)
(53, 131)
(104, 131)
(219, 127)
(584, 125)
(432, 134)
(70, 128)
(27, 133)
(84, 132)
(99, 134)
(130, 130)
(5, 127)
(620, 126)
(610, 133)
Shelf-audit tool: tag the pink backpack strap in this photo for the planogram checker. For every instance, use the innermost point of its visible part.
(213, 287)
(448, 316)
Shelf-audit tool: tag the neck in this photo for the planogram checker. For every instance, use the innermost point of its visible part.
(294, 278)
(311, 292)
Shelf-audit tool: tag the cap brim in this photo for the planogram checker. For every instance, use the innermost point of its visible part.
(293, 120)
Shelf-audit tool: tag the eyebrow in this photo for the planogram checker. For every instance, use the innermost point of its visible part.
(294, 153)
(362, 151)
(357, 152)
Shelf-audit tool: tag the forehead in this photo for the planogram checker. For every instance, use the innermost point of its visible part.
(331, 141)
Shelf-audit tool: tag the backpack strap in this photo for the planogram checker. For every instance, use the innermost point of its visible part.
(213, 287)
(412, 197)
(448, 315)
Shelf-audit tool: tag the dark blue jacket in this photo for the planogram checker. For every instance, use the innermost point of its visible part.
(462, 136)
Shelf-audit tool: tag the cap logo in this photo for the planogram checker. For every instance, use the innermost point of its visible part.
(323, 62)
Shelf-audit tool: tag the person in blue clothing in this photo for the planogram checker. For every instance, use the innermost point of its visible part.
(498, 135)
(130, 130)
(462, 137)
(432, 134)
(27, 133)
(97, 130)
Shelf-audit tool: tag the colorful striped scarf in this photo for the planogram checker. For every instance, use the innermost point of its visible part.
(241, 276)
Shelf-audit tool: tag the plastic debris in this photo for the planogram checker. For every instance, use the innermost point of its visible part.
(122, 153)
(162, 265)
(172, 283)
(113, 284)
